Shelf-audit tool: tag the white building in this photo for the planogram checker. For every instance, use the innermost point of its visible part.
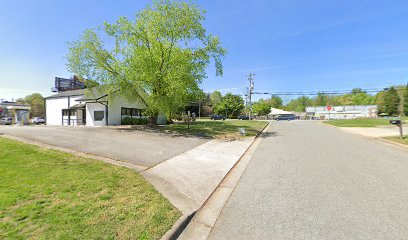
(343, 112)
(90, 108)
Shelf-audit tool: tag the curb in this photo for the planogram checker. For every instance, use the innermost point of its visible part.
(392, 143)
(178, 227)
(382, 140)
(206, 216)
(182, 223)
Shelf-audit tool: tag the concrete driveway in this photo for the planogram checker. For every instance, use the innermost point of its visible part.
(137, 147)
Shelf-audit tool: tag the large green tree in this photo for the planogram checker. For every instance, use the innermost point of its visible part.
(405, 104)
(392, 101)
(321, 99)
(231, 105)
(261, 108)
(36, 102)
(162, 55)
(275, 102)
(216, 97)
(299, 104)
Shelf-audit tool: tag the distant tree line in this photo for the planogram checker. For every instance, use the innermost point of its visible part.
(391, 101)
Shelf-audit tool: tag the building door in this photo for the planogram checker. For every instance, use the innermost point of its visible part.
(84, 116)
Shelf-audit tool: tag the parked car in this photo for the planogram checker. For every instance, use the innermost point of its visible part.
(6, 121)
(38, 120)
(217, 117)
(243, 117)
(285, 117)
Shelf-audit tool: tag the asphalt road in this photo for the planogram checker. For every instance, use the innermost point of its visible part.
(307, 180)
(125, 144)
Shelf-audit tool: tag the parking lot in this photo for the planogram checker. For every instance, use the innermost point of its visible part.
(125, 144)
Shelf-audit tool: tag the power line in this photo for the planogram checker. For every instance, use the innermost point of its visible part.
(312, 93)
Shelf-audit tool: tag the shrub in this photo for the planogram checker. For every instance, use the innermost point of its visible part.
(134, 121)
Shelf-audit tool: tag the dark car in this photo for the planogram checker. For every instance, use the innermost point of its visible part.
(217, 117)
(285, 117)
(243, 117)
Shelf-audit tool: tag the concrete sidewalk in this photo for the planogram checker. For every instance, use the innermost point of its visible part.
(188, 179)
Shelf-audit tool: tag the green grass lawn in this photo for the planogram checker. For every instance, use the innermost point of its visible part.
(359, 122)
(47, 194)
(217, 129)
(399, 140)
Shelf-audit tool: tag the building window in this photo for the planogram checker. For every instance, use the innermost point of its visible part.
(131, 112)
(64, 112)
(72, 112)
(99, 115)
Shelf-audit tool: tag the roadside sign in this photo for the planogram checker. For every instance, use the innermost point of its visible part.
(329, 108)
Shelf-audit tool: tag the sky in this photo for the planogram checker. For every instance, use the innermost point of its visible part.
(291, 45)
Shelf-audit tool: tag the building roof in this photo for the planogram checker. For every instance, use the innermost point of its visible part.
(13, 105)
(78, 92)
(87, 94)
(93, 94)
(276, 111)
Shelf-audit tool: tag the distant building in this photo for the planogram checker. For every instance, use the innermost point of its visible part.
(20, 113)
(342, 112)
(275, 112)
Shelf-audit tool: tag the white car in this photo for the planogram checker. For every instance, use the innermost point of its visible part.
(38, 120)
(6, 121)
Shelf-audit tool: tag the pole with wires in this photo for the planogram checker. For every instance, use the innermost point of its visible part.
(251, 88)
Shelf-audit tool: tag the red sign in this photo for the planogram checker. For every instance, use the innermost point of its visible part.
(329, 108)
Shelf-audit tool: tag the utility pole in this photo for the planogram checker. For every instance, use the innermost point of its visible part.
(251, 88)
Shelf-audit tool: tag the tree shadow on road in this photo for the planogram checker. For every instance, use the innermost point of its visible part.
(268, 134)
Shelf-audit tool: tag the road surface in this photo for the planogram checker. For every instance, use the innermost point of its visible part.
(307, 180)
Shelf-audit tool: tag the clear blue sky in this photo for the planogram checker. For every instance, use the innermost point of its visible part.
(289, 44)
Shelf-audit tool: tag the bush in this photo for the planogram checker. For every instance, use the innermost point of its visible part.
(134, 121)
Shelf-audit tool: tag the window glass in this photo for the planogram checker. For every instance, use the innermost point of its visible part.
(134, 112)
(99, 115)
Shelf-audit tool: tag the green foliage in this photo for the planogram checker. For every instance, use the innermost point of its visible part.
(299, 104)
(36, 102)
(275, 102)
(261, 108)
(321, 99)
(392, 101)
(134, 121)
(215, 97)
(231, 105)
(357, 97)
(405, 103)
(161, 55)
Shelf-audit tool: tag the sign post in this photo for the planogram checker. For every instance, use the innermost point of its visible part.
(329, 108)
